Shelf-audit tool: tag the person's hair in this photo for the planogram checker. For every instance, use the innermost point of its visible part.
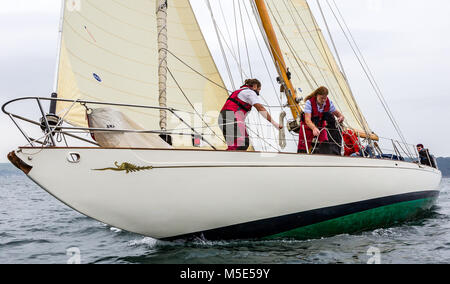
(251, 82)
(320, 91)
(420, 145)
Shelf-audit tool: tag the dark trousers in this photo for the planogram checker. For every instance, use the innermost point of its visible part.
(234, 130)
(333, 145)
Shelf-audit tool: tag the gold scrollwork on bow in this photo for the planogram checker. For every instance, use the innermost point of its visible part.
(126, 167)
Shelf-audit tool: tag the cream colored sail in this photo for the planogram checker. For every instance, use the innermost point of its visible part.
(109, 53)
(309, 58)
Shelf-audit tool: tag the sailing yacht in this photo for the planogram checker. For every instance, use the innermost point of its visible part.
(138, 83)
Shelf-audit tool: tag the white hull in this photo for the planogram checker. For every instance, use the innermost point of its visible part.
(195, 191)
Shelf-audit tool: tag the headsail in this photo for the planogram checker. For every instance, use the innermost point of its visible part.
(109, 53)
(309, 58)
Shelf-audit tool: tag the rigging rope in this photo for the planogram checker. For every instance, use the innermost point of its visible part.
(358, 111)
(226, 26)
(208, 4)
(366, 65)
(274, 52)
(190, 103)
(367, 70)
(353, 108)
(262, 54)
(296, 56)
(198, 73)
(237, 40)
(245, 41)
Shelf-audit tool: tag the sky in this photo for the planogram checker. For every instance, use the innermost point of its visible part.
(405, 42)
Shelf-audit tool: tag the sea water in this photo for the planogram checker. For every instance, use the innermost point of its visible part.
(37, 228)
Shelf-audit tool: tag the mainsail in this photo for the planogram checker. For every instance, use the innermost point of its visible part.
(309, 58)
(109, 53)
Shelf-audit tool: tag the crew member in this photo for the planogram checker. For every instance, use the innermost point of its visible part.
(351, 143)
(318, 109)
(425, 157)
(234, 112)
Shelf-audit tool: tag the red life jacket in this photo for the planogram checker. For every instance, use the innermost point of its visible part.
(235, 104)
(317, 117)
(351, 142)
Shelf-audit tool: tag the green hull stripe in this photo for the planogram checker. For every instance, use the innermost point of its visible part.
(366, 220)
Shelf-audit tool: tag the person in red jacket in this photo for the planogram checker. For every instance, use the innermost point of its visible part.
(351, 143)
(318, 110)
(234, 112)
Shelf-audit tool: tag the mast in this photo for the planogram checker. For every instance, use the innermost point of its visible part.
(58, 58)
(279, 59)
(161, 18)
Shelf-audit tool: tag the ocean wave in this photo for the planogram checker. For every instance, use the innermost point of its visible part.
(24, 242)
(147, 241)
(115, 230)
